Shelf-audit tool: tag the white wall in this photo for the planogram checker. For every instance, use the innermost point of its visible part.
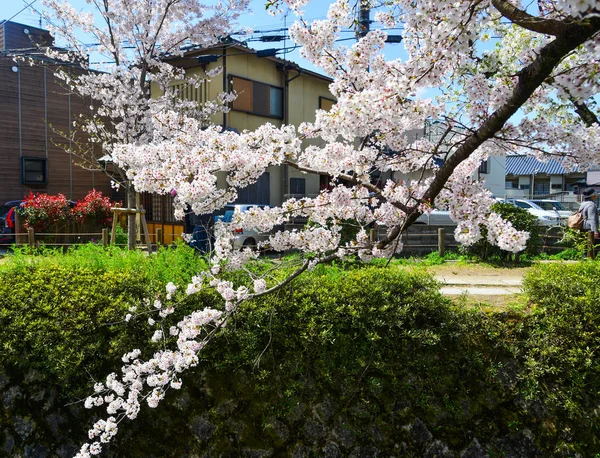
(495, 179)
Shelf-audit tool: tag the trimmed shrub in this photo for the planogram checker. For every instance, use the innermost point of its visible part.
(559, 345)
(521, 220)
(44, 212)
(363, 361)
(94, 207)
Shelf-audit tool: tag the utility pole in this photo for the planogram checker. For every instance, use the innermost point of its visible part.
(364, 19)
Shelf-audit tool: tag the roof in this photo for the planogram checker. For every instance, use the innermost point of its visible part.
(529, 165)
(230, 43)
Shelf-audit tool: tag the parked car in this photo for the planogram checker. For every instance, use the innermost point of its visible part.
(544, 217)
(7, 230)
(554, 206)
(244, 238)
(436, 218)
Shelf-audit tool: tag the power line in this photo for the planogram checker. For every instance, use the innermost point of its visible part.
(20, 11)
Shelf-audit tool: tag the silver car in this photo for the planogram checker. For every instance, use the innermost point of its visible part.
(244, 238)
(544, 217)
(436, 218)
(554, 206)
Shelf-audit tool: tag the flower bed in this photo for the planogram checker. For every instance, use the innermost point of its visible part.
(62, 221)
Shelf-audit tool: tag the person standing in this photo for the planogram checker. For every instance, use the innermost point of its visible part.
(589, 211)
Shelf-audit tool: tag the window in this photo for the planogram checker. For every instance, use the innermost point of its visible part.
(257, 98)
(33, 170)
(297, 186)
(484, 167)
(541, 187)
(185, 91)
(325, 103)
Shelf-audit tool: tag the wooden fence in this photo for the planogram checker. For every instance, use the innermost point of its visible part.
(64, 239)
(418, 240)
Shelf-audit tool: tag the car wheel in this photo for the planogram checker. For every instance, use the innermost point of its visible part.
(250, 243)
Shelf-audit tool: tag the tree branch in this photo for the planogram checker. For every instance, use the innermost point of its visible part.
(523, 19)
(586, 115)
(530, 78)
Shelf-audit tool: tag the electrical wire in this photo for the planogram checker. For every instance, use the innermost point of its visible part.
(20, 11)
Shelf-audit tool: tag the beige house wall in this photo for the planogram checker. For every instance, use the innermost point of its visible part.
(303, 92)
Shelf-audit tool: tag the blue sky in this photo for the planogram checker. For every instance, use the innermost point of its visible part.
(257, 19)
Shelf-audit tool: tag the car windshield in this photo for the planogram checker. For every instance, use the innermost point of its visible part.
(550, 205)
(226, 213)
(524, 205)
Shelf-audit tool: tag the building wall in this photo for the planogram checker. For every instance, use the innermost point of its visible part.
(495, 179)
(303, 100)
(19, 36)
(35, 107)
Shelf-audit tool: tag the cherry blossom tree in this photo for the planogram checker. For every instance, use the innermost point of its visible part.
(510, 78)
(130, 38)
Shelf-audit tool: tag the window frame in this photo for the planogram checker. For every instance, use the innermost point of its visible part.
(484, 167)
(299, 182)
(231, 77)
(321, 99)
(24, 171)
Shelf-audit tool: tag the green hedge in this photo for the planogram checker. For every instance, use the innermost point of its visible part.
(362, 353)
(560, 345)
(63, 314)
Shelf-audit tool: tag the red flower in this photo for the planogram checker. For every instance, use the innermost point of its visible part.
(43, 210)
(94, 206)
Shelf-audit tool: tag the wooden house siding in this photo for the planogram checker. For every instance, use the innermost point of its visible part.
(21, 36)
(34, 105)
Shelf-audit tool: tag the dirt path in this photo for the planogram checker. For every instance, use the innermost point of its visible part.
(481, 285)
(479, 274)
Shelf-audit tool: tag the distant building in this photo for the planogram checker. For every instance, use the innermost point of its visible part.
(491, 171)
(35, 106)
(527, 176)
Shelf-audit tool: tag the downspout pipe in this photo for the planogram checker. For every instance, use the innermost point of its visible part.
(225, 88)
(286, 117)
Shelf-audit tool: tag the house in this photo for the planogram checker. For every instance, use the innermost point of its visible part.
(35, 107)
(491, 171)
(527, 177)
(269, 89)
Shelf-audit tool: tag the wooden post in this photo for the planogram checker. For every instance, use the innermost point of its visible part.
(113, 234)
(18, 229)
(138, 219)
(105, 237)
(441, 239)
(591, 253)
(131, 211)
(159, 236)
(31, 237)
